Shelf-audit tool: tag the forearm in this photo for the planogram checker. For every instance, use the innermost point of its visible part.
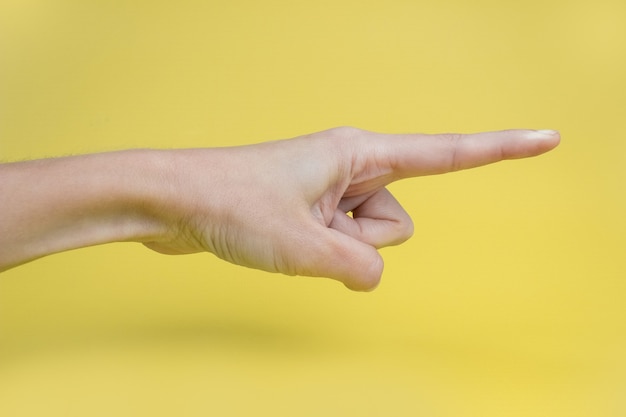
(53, 205)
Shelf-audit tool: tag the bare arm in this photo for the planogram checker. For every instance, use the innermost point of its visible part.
(277, 206)
(53, 205)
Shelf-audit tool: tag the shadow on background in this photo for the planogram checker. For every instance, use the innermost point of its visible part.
(218, 334)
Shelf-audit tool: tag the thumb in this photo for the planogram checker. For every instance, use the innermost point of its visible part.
(335, 255)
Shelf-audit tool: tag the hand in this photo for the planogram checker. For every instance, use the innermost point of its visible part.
(285, 206)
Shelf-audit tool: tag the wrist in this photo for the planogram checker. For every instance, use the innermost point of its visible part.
(142, 188)
(176, 204)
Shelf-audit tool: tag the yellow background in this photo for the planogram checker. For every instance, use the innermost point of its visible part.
(510, 300)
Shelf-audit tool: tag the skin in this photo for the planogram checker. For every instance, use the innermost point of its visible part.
(277, 206)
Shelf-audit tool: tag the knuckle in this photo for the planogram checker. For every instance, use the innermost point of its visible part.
(453, 142)
(404, 230)
(409, 229)
(345, 132)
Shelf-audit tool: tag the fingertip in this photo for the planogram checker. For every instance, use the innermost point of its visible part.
(360, 288)
(368, 278)
(546, 139)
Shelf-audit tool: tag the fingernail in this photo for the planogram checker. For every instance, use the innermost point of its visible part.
(542, 134)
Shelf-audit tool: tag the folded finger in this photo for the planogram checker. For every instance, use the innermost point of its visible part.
(378, 221)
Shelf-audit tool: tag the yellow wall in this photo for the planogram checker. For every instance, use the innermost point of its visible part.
(510, 300)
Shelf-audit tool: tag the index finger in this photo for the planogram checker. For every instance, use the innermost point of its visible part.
(416, 155)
